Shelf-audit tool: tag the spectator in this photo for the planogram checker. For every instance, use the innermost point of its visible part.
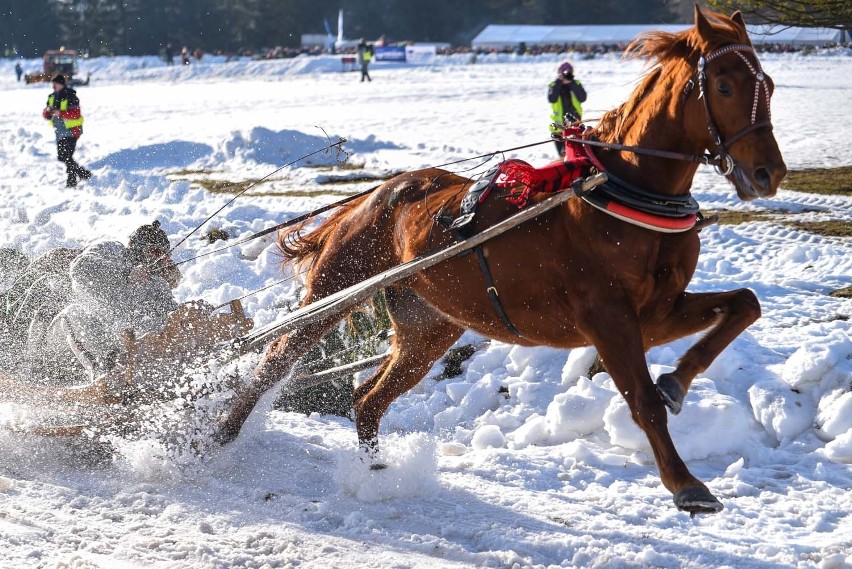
(19, 70)
(566, 96)
(365, 55)
(63, 110)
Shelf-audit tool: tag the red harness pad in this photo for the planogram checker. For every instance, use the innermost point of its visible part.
(523, 181)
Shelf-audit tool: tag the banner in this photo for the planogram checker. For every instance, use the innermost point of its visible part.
(390, 53)
(420, 54)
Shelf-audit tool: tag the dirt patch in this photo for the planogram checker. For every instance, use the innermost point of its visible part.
(733, 217)
(260, 188)
(824, 181)
(828, 228)
(842, 292)
(184, 173)
(335, 180)
(338, 166)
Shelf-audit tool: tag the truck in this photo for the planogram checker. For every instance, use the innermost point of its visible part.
(62, 61)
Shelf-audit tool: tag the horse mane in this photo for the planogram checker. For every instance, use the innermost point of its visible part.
(677, 54)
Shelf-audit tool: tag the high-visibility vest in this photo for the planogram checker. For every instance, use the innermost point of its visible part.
(558, 110)
(63, 106)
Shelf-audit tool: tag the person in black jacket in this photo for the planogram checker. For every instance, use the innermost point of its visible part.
(566, 96)
(63, 111)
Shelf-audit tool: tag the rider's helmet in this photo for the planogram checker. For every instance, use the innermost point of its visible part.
(150, 236)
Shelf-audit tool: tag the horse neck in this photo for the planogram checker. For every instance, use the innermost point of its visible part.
(657, 121)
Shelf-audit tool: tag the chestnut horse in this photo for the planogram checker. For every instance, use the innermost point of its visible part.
(573, 276)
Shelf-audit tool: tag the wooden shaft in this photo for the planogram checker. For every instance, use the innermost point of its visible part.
(360, 292)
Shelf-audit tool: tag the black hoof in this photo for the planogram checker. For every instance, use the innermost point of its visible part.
(697, 500)
(671, 392)
(225, 433)
(370, 454)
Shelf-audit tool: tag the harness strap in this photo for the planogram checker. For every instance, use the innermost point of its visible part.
(493, 296)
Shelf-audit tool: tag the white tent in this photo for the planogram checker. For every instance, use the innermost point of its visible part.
(795, 36)
(499, 36)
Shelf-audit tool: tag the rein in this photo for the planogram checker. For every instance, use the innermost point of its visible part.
(707, 159)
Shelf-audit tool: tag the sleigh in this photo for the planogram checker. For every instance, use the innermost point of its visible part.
(191, 332)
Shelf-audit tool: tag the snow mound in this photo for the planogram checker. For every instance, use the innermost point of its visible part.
(710, 424)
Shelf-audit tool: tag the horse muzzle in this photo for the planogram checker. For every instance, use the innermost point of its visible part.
(762, 182)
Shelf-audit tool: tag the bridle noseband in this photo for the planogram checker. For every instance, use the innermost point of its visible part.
(724, 163)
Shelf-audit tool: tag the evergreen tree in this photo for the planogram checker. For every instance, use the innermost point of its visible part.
(27, 27)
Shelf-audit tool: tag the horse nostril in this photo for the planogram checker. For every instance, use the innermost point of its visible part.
(762, 177)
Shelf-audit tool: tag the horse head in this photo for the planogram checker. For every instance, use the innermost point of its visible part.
(731, 111)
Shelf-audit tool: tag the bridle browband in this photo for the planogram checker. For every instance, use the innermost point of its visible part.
(723, 157)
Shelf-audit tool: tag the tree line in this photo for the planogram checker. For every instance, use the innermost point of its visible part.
(137, 27)
(119, 27)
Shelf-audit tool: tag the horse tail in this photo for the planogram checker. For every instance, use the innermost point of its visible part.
(300, 248)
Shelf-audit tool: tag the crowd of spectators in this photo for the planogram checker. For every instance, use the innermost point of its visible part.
(582, 51)
(591, 50)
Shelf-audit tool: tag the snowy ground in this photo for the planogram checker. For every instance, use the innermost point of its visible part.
(552, 473)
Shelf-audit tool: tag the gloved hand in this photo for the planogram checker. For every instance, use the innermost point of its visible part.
(47, 113)
(76, 132)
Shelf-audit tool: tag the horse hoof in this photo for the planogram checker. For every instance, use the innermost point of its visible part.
(671, 392)
(697, 500)
(225, 433)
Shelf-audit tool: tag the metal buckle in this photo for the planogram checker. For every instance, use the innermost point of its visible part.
(724, 158)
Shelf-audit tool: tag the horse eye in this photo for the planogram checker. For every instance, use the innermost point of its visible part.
(725, 90)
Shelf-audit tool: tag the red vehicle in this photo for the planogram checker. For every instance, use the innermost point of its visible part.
(62, 61)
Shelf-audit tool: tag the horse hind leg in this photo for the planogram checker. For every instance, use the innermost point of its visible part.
(422, 336)
(280, 357)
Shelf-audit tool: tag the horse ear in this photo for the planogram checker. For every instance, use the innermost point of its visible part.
(702, 23)
(738, 19)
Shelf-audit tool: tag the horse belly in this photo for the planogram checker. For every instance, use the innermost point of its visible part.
(458, 290)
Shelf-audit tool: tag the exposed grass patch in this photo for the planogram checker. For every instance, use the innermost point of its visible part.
(734, 217)
(825, 181)
(842, 292)
(826, 228)
(338, 166)
(216, 234)
(829, 228)
(191, 173)
(334, 180)
(225, 186)
(258, 190)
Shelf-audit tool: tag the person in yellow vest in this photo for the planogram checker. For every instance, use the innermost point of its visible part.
(365, 55)
(566, 96)
(63, 111)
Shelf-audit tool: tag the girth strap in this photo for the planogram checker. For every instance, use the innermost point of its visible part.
(493, 296)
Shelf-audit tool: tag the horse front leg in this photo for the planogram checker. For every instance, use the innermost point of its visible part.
(615, 332)
(729, 313)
